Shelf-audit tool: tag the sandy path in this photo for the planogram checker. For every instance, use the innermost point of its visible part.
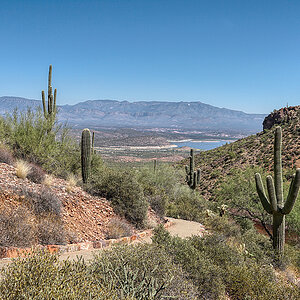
(181, 228)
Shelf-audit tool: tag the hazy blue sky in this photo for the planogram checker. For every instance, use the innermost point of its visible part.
(239, 54)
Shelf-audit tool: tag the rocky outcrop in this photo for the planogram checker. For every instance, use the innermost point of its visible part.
(281, 116)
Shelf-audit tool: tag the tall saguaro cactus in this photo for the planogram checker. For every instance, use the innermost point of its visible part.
(275, 205)
(86, 154)
(192, 176)
(50, 109)
(93, 143)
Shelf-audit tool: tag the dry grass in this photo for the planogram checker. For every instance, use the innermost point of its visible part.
(48, 180)
(36, 174)
(71, 182)
(22, 168)
(117, 228)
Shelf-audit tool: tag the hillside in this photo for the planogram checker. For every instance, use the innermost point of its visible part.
(24, 207)
(254, 150)
(145, 114)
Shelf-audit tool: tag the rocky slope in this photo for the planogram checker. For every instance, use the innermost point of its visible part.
(254, 150)
(83, 217)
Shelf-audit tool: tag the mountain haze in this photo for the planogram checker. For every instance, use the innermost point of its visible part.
(181, 115)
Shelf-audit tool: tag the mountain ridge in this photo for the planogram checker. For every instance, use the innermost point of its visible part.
(161, 114)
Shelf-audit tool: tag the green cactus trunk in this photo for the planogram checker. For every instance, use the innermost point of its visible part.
(85, 154)
(93, 141)
(278, 233)
(49, 109)
(192, 176)
(275, 204)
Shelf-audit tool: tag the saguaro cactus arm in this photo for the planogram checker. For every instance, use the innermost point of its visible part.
(272, 193)
(44, 104)
(186, 170)
(293, 194)
(262, 195)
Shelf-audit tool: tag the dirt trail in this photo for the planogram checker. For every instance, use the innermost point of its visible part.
(179, 227)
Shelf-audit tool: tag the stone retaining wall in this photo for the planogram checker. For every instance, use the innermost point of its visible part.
(13, 252)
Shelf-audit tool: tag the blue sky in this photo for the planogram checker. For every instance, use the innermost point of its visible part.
(243, 55)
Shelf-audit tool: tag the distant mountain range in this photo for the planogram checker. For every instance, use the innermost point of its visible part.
(147, 114)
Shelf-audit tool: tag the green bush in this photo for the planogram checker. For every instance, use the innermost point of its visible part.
(29, 136)
(42, 276)
(124, 192)
(142, 272)
(222, 266)
(187, 204)
(159, 186)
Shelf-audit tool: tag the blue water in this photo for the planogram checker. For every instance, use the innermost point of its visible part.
(201, 145)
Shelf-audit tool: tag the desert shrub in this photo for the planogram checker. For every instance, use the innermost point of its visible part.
(16, 227)
(97, 165)
(159, 186)
(164, 179)
(22, 168)
(186, 204)
(36, 174)
(50, 231)
(293, 219)
(117, 228)
(258, 246)
(142, 272)
(201, 270)
(293, 254)
(158, 202)
(254, 281)
(43, 201)
(220, 266)
(223, 225)
(6, 156)
(28, 135)
(124, 192)
(71, 182)
(42, 276)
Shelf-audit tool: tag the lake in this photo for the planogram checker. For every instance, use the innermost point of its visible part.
(202, 145)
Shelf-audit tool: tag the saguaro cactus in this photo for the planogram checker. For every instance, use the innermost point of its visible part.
(275, 205)
(154, 165)
(93, 141)
(85, 154)
(192, 176)
(50, 109)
